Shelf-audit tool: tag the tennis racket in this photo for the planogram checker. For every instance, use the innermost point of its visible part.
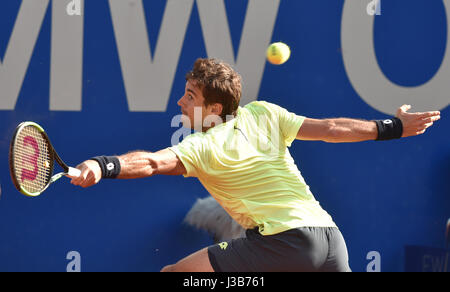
(31, 160)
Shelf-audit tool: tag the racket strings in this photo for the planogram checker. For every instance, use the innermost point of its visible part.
(32, 160)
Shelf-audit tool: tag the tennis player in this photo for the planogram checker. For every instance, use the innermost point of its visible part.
(241, 156)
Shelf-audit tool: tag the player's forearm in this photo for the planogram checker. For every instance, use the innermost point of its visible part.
(345, 130)
(138, 164)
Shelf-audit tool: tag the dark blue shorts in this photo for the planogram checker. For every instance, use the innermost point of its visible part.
(307, 249)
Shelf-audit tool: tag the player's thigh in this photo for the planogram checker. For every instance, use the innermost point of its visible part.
(196, 262)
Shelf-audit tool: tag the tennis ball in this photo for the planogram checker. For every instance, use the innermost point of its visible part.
(278, 53)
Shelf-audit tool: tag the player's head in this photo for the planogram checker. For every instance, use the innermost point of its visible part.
(214, 86)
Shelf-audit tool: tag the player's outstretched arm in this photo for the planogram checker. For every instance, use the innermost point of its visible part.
(343, 130)
(137, 164)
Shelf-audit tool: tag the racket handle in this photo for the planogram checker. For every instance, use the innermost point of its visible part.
(74, 172)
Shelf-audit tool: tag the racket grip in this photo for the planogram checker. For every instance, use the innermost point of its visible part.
(74, 172)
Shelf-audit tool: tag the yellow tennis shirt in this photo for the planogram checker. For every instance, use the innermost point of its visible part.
(246, 166)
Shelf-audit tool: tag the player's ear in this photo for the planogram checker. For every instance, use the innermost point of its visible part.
(217, 109)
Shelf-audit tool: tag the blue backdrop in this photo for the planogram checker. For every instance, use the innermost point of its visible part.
(383, 195)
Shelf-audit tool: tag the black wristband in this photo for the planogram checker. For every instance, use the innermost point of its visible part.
(110, 166)
(389, 129)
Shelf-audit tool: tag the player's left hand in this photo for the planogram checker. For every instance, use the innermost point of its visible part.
(416, 123)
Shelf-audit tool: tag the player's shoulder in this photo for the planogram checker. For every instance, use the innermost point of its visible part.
(263, 107)
(258, 103)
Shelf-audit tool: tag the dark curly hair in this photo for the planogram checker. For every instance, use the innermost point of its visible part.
(219, 83)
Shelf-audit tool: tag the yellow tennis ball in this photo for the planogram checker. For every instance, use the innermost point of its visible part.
(278, 53)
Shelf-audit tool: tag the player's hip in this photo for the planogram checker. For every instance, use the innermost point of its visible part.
(298, 249)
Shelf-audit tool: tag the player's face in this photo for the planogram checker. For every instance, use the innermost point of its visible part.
(193, 108)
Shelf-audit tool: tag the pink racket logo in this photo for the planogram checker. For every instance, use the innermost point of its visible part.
(30, 159)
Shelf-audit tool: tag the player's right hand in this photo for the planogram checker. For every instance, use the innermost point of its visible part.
(91, 174)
